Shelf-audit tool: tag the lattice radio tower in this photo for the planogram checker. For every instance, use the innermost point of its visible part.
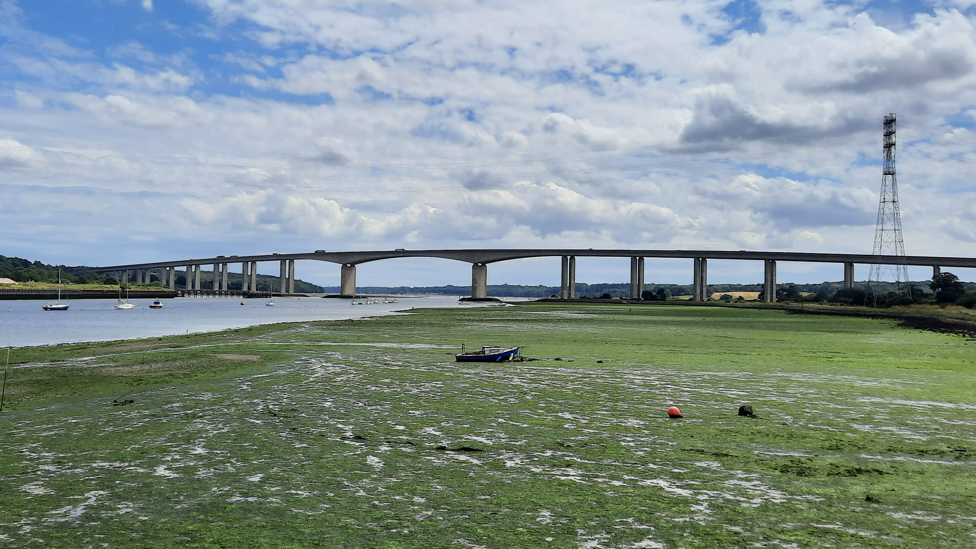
(888, 239)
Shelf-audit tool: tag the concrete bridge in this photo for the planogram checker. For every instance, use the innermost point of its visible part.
(479, 260)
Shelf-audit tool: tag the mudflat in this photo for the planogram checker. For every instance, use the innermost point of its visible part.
(366, 433)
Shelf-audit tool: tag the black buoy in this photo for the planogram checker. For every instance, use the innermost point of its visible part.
(746, 411)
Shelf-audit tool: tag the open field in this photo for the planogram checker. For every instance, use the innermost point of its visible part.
(366, 434)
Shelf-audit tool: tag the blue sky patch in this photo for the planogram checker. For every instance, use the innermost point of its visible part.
(370, 93)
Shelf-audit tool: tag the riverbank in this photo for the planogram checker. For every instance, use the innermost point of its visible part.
(367, 433)
(26, 295)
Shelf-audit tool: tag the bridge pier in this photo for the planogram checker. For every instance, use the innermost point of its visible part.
(568, 284)
(171, 272)
(479, 280)
(291, 276)
(700, 292)
(636, 277)
(244, 276)
(196, 278)
(254, 276)
(936, 271)
(564, 278)
(848, 276)
(769, 281)
(283, 277)
(223, 276)
(347, 284)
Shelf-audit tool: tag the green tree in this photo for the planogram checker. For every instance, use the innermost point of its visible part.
(947, 287)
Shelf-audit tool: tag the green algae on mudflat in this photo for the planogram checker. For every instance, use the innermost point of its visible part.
(865, 435)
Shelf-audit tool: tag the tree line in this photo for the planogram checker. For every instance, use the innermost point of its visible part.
(23, 270)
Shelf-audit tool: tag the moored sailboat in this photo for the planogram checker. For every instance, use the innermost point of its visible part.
(123, 304)
(57, 306)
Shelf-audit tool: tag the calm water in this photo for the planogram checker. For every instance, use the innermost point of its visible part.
(26, 324)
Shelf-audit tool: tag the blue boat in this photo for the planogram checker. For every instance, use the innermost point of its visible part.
(489, 353)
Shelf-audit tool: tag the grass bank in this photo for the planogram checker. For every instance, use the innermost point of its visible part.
(366, 433)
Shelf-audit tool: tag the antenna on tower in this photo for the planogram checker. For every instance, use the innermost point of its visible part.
(888, 239)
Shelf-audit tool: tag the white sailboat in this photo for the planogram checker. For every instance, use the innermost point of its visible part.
(124, 305)
(270, 302)
(57, 306)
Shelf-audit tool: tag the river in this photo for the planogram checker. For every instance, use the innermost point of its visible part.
(25, 324)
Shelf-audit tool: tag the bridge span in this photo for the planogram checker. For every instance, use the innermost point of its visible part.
(479, 260)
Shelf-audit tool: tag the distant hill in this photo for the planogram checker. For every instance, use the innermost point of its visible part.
(23, 270)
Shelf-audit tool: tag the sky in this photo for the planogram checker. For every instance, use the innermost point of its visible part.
(150, 130)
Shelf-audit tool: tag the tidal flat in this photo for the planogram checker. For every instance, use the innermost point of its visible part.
(366, 433)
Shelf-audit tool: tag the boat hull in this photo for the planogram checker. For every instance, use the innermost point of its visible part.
(504, 355)
(55, 307)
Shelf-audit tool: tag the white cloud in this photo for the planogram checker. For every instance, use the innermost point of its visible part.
(17, 155)
(28, 100)
(167, 80)
(120, 109)
(147, 5)
(514, 139)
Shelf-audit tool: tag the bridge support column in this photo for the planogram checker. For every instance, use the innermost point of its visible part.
(171, 272)
(244, 277)
(848, 276)
(223, 277)
(254, 276)
(347, 284)
(700, 292)
(291, 276)
(216, 277)
(196, 277)
(636, 277)
(479, 281)
(769, 281)
(936, 271)
(572, 277)
(283, 278)
(125, 276)
(564, 279)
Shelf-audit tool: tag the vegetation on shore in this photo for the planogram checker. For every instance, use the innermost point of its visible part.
(366, 433)
(39, 276)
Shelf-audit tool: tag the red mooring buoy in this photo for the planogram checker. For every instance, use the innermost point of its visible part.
(242, 302)
(674, 412)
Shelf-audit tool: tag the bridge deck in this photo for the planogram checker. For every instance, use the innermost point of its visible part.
(496, 255)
